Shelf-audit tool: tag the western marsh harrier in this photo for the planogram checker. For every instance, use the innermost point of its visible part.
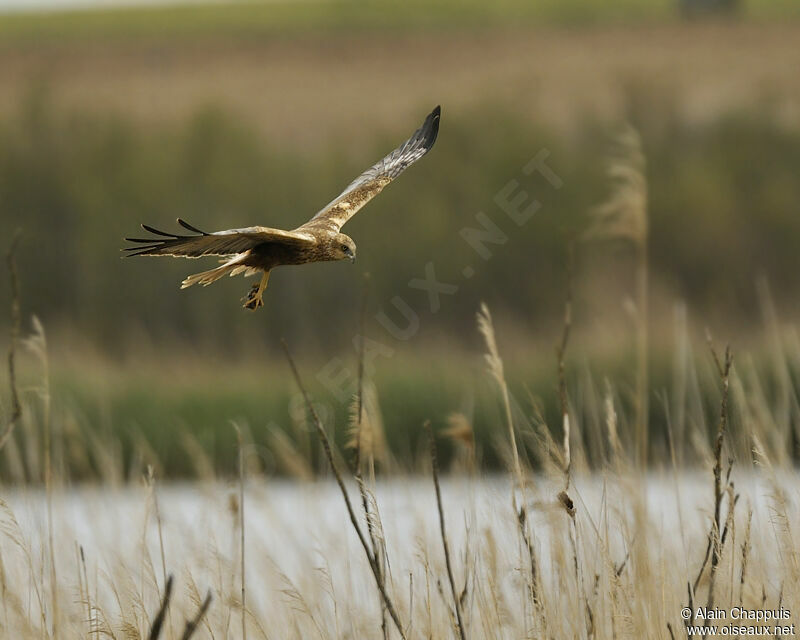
(255, 250)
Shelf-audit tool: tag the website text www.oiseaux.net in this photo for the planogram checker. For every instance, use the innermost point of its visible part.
(739, 622)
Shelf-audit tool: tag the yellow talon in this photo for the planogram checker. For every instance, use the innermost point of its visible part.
(254, 297)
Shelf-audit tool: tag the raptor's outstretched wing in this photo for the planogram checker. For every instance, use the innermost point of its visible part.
(219, 243)
(373, 180)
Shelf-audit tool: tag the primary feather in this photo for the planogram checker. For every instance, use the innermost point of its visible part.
(219, 243)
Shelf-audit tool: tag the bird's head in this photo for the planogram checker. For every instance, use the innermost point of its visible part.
(343, 248)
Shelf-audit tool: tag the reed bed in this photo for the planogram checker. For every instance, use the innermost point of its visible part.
(562, 546)
(619, 567)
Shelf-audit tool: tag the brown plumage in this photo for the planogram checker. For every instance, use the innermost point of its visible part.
(255, 250)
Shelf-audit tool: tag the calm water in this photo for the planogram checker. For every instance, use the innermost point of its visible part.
(299, 539)
(289, 520)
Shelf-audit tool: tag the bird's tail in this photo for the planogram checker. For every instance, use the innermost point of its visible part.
(205, 278)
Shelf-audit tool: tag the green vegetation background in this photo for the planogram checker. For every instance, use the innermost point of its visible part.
(723, 208)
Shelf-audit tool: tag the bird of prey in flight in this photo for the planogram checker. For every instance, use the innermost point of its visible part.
(254, 250)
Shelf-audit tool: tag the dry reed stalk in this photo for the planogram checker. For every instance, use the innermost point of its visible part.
(624, 216)
(327, 586)
(569, 508)
(150, 478)
(563, 496)
(675, 478)
(718, 535)
(291, 461)
(147, 578)
(533, 587)
(36, 343)
(365, 432)
(429, 617)
(612, 428)
(299, 603)
(448, 564)
(680, 379)
(195, 598)
(326, 445)
(745, 556)
(82, 597)
(724, 372)
(495, 366)
(4, 592)
(780, 517)
(158, 621)
(360, 390)
(642, 378)
(460, 432)
(16, 406)
(784, 407)
(549, 454)
(565, 500)
(378, 550)
(191, 625)
(410, 602)
(241, 530)
(88, 596)
(690, 595)
(203, 466)
(562, 376)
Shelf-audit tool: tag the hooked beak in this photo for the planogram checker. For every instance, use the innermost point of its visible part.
(352, 258)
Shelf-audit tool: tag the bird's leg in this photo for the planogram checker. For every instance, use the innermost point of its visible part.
(253, 300)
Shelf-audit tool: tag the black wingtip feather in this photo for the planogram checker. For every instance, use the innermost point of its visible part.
(186, 225)
(154, 244)
(147, 227)
(430, 128)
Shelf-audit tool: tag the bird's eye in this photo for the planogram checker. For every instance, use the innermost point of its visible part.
(344, 248)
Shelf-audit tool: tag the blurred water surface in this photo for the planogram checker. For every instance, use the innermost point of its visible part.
(292, 527)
